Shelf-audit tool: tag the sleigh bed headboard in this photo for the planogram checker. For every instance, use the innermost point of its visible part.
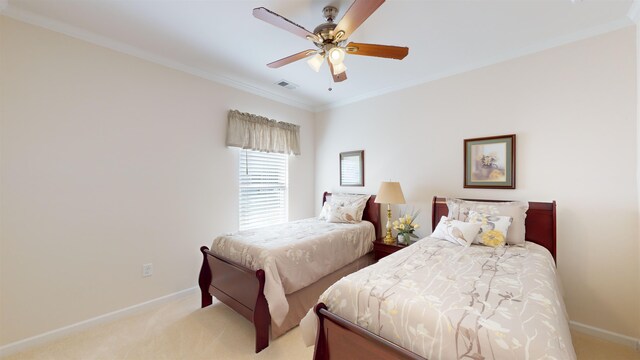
(540, 223)
(371, 212)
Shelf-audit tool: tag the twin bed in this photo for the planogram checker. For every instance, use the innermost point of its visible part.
(439, 300)
(433, 299)
(272, 276)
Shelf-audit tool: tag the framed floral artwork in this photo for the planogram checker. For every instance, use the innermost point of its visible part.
(490, 162)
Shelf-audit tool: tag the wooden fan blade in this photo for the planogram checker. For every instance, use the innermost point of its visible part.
(274, 19)
(289, 59)
(357, 13)
(384, 51)
(337, 78)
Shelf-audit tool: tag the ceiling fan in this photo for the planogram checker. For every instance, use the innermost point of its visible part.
(330, 38)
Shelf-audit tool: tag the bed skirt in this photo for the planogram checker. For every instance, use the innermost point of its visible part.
(304, 299)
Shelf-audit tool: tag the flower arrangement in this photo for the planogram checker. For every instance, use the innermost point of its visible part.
(406, 225)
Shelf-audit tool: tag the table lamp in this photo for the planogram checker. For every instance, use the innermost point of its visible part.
(389, 193)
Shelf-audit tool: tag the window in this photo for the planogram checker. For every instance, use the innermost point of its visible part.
(263, 189)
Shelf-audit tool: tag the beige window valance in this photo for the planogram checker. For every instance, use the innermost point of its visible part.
(248, 131)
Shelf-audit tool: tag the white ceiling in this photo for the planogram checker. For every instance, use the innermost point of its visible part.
(221, 40)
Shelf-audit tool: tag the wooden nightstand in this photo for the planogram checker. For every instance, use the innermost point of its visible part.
(380, 249)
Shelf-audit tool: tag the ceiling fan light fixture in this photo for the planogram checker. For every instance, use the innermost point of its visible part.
(314, 38)
(316, 62)
(339, 68)
(330, 38)
(336, 55)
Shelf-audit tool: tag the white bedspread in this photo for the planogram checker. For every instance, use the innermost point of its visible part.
(296, 254)
(444, 301)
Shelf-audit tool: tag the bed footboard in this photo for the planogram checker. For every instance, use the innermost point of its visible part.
(204, 280)
(238, 287)
(338, 338)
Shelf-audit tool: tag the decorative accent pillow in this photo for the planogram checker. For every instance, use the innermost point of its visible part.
(324, 213)
(455, 231)
(359, 201)
(342, 214)
(493, 228)
(517, 210)
(327, 199)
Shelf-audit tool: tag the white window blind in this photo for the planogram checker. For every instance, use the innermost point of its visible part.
(350, 170)
(263, 189)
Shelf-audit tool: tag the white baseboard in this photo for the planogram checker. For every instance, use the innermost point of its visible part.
(33, 341)
(606, 335)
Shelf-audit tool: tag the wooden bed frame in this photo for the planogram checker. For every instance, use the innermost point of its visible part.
(339, 338)
(242, 288)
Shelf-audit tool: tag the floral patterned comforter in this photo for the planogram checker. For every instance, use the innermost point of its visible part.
(444, 301)
(295, 254)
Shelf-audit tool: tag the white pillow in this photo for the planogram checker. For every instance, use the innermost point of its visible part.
(342, 214)
(324, 213)
(517, 210)
(456, 231)
(359, 201)
(327, 199)
(493, 228)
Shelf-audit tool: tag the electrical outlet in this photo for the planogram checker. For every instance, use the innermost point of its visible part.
(147, 270)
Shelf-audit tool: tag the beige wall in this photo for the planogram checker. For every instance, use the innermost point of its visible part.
(109, 162)
(573, 109)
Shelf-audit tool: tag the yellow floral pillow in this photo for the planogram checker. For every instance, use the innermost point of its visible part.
(493, 238)
(493, 228)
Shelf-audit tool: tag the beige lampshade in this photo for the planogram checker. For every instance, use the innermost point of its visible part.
(390, 193)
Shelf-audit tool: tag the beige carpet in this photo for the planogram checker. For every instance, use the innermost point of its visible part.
(181, 330)
(176, 330)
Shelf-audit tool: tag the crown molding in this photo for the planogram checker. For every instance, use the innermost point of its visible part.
(69, 30)
(634, 11)
(506, 56)
(75, 32)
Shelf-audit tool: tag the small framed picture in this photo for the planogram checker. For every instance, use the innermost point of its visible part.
(352, 168)
(490, 162)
